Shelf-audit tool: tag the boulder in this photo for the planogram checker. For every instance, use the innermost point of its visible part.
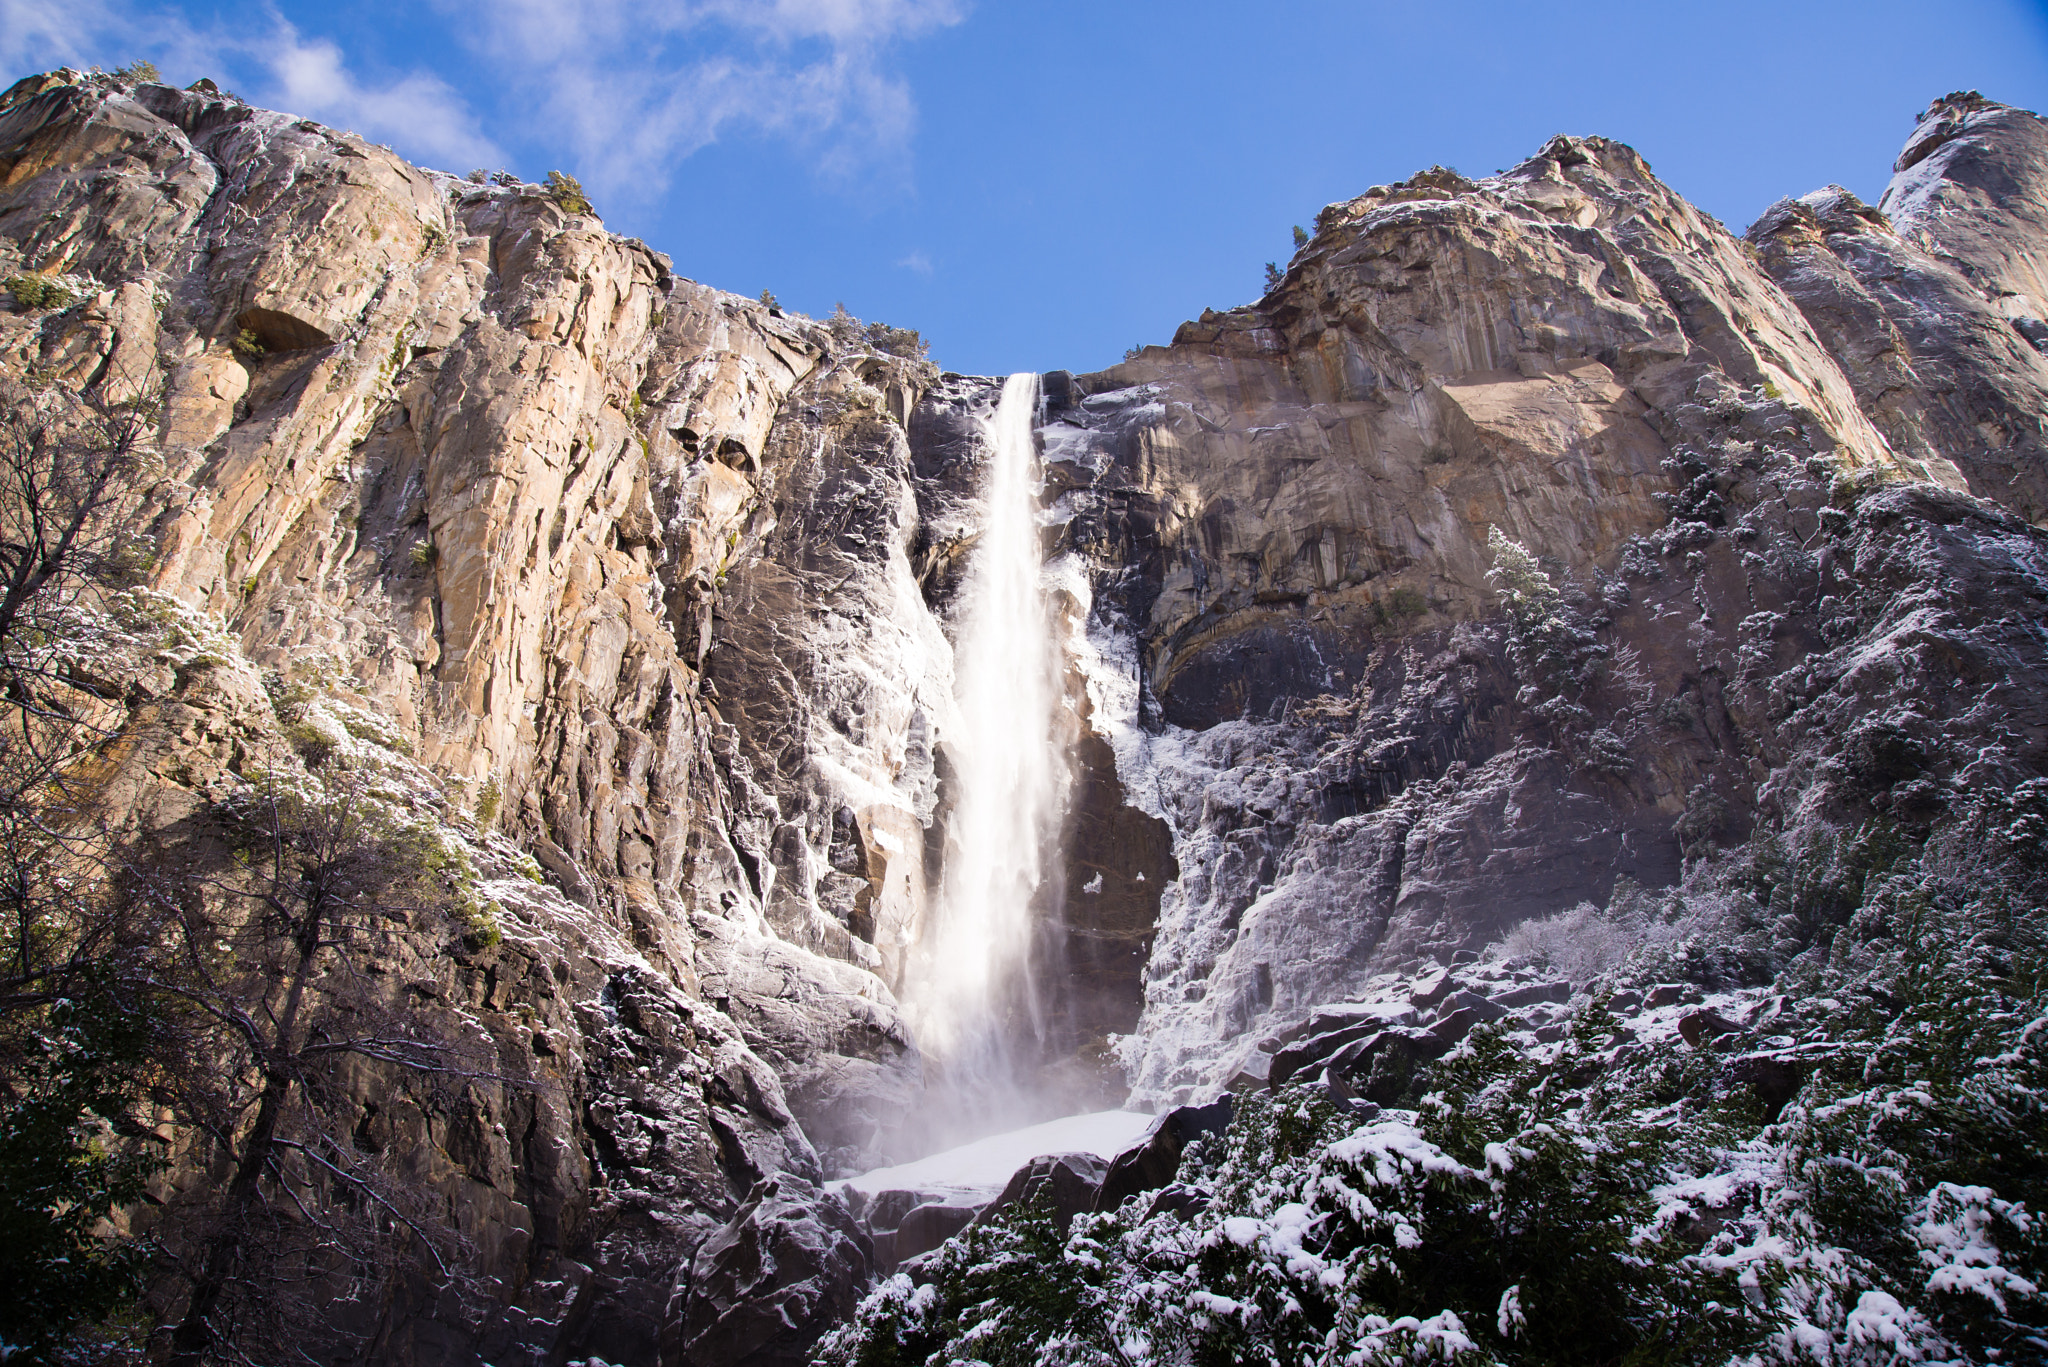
(1253, 1073)
(1429, 990)
(925, 1228)
(1482, 1008)
(1065, 1183)
(1154, 1162)
(1179, 1199)
(1697, 1027)
(1775, 1078)
(763, 1289)
(1532, 994)
(1303, 1054)
(1381, 1068)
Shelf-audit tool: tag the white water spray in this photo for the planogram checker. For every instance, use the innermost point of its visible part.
(975, 1004)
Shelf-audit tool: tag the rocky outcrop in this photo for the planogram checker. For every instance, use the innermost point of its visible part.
(1932, 304)
(454, 459)
(1305, 517)
(765, 1288)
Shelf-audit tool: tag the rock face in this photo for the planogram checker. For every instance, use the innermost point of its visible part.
(1758, 536)
(1532, 533)
(763, 1289)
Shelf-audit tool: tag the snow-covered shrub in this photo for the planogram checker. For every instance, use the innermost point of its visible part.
(1495, 1226)
(1587, 943)
(1618, 1197)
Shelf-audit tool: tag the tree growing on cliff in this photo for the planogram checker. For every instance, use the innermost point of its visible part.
(80, 1030)
(275, 949)
(567, 192)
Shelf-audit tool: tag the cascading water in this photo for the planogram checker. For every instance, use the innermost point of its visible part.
(974, 999)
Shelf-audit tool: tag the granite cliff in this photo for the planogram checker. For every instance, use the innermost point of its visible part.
(1532, 541)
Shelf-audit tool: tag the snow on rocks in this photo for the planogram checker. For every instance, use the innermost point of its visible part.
(981, 1168)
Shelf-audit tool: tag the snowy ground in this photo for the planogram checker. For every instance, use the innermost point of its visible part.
(980, 1169)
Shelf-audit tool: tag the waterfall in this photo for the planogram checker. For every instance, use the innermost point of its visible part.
(975, 1000)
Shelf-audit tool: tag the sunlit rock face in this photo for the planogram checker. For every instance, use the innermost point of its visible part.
(1750, 520)
(1533, 533)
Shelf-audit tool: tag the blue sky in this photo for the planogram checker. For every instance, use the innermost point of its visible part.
(1039, 186)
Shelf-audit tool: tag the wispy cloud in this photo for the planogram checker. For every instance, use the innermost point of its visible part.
(637, 86)
(271, 62)
(417, 111)
(38, 35)
(917, 261)
(623, 91)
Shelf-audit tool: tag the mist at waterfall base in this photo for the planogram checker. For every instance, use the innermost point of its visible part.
(979, 1004)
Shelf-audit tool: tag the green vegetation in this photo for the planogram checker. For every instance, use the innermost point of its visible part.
(247, 343)
(488, 799)
(1300, 237)
(1621, 1197)
(1407, 602)
(64, 1169)
(567, 192)
(1273, 276)
(903, 343)
(39, 292)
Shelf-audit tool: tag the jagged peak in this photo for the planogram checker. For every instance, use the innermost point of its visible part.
(1948, 118)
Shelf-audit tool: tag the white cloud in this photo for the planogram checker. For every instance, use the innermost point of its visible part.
(418, 112)
(917, 261)
(41, 35)
(272, 63)
(636, 86)
(623, 90)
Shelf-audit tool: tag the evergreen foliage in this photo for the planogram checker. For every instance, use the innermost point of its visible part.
(1612, 1200)
(39, 292)
(567, 192)
(64, 1170)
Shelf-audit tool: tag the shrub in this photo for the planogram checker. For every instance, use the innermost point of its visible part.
(1300, 237)
(60, 1176)
(901, 342)
(247, 343)
(1273, 276)
(567, 192)
(314, 744)
(488, 799)
(137, 73)
(480, 929)
(425, 554)
(38, 292)
(769, 302)
(1407, 602)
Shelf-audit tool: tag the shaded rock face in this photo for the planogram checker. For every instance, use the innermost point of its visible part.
(1532, 533)
(765, 1288)
(1290, 521)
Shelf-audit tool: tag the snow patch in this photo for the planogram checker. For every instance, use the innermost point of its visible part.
(981, 1168)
